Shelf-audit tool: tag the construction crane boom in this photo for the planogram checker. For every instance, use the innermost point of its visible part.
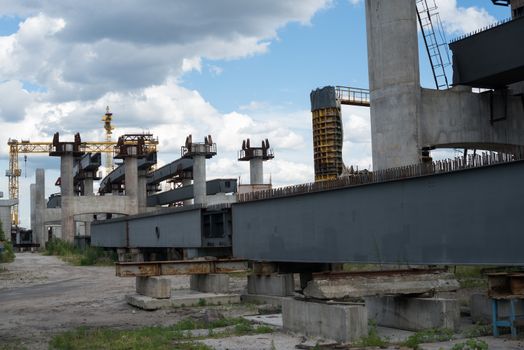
(25, 146)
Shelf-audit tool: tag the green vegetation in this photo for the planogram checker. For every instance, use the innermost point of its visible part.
(478, 330)
(428, 336)
(470, 276)
(178, 336)
(372, 339)
(471, 344)
(6, 249)
(12, 345)
(87, 257)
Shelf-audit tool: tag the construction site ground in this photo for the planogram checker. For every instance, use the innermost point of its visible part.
(41, 296)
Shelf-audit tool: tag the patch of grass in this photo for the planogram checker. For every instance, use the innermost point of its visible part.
(173, 337)
(428, 336)
(87, 257)
(7, 254)
(478, 330)
(372, 339)
(148, 338)
(470, 276)
(14, 345)
(471, 344)
(202, 302)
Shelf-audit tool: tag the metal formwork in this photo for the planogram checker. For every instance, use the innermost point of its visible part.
(327, 134)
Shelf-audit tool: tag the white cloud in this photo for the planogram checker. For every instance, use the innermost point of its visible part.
(459, 20)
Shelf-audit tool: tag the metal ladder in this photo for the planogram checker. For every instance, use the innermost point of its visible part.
(433, 34)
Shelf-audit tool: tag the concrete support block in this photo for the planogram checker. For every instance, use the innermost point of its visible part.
(211, 283)
(277, 285)
(343, 323)
(414, 313)
(480, 308)
(155, 287)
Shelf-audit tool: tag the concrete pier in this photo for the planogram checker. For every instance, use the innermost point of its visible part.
(343, 323)
(131, 177)
(211, 283)
(280, 285)
(199, 179)
(256, 171)
(66, 189)
(154, 287)
(39, 233)
(142, 191)
(394, 81)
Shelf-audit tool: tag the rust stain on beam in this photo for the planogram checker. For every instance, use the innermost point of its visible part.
(179, 267)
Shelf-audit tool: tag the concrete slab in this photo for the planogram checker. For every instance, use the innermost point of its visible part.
(211, 283)
(155, 287)
(343, 323)
(262, 299)
(281, 285)
(181, 298)
(414, 313)
(147, 303)
(361, 285)
(271, 320)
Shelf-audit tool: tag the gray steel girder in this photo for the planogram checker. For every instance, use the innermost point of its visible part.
(472, 216)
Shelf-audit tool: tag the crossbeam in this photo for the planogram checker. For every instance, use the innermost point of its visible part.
(180, 267)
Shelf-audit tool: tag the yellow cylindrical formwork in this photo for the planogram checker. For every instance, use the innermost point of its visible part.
(327, 143)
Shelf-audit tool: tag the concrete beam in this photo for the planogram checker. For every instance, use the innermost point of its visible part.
(356, 286)
(414, 313)
(459, 118)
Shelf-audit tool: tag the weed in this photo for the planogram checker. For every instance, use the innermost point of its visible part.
(7, 254)
(87, 257)
(471, 344)
(428, 336)
(372, 339)
(202, 302)
(470, 276)
(478, 330)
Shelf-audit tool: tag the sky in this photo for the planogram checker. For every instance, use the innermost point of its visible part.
(234, 69)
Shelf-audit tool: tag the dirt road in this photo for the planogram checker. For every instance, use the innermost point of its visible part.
(41, 295)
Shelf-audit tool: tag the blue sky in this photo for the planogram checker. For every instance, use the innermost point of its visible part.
(235, 70)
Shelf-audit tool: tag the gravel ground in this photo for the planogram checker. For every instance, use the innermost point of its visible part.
(41, 296)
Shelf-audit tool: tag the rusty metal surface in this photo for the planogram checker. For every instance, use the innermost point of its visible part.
(180, 267)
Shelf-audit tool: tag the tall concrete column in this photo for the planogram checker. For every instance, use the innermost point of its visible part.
(67, 193)
(199, 179)
(32, 199)
(142, 191)
(88, 185)
(131, 181)
(256, 171)
(39, 229)
(394, 81)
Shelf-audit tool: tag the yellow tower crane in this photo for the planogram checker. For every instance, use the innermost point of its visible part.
(25, 146)
(107, 118)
